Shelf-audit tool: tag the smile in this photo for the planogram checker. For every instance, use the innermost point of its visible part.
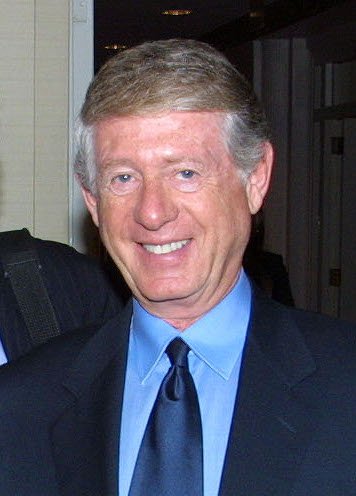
(167, 248)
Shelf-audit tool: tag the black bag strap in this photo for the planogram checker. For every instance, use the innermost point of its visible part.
(23, 268)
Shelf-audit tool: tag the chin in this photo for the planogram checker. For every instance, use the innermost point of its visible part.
(164, 294)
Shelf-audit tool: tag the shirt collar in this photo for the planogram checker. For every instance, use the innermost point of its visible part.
(149, 338)
(218, 345)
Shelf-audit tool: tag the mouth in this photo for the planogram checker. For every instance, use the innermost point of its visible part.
(166, 248)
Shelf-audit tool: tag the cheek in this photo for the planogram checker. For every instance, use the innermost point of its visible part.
(235, 221)
(234, 209)
(112, 218)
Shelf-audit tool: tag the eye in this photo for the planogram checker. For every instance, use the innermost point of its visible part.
(122, 178)
(187, 174)
(122, 184)
(187, 180)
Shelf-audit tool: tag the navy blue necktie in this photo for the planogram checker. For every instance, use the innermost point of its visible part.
(170, 459)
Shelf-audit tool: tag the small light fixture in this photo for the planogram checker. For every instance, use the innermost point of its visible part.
(256, 9)
(255, 14)
(115, 46)
(176, 12)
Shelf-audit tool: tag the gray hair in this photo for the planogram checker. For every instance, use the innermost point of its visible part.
(166, 76)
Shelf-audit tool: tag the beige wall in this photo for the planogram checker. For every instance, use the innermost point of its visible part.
(34, 55)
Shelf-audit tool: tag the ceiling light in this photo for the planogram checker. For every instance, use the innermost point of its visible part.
(115, 46)
(256, 14)
(256, 8)
(176, 12)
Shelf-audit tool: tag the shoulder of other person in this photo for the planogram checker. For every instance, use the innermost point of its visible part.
(66, 271)
(55, 251)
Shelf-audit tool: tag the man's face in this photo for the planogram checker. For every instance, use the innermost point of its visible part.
(172, 209)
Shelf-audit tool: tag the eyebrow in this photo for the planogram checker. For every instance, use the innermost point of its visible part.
(112, 163)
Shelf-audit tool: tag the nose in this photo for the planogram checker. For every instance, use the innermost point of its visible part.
(155, 205)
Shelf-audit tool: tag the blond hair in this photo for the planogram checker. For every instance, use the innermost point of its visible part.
(166, 76)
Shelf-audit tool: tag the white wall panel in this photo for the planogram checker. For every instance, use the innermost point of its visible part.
(82, 234)
(16, 113)
(51, 119)
(34, 55)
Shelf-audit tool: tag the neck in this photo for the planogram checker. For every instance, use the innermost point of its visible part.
(181, 324)
(181, 314)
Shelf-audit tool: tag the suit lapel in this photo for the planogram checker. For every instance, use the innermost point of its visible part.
(86, 435)
(272, 423)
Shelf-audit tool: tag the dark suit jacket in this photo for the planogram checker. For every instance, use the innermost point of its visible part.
(294, 426)
(80, 291)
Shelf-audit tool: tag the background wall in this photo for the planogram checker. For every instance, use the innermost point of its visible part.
(34, 74)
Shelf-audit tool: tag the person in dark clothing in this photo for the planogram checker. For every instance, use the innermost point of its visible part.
(265, 268)
(79, 289)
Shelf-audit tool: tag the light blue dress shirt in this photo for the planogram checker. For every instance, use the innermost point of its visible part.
(217, 341)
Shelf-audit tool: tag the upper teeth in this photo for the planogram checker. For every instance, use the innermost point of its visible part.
(167, 248)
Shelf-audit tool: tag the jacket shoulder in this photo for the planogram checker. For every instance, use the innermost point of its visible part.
(292, 335)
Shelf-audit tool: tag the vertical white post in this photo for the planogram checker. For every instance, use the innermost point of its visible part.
(81, 73)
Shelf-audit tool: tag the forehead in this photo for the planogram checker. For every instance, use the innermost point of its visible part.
(183, 127)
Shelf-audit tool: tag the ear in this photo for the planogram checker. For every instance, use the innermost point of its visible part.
(91, 202)
(258, 181)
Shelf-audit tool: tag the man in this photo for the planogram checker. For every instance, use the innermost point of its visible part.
(174, 157)
(80, 291)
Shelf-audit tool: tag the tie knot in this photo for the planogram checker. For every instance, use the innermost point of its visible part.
(177, 352)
